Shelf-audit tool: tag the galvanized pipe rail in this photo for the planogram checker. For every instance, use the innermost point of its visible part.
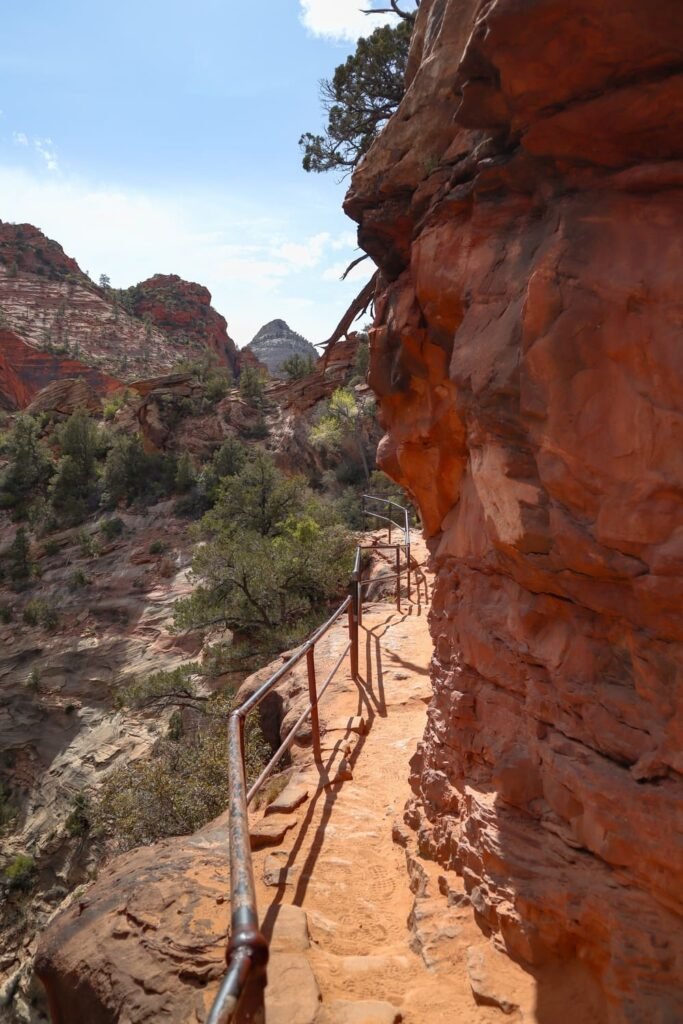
(247, 950)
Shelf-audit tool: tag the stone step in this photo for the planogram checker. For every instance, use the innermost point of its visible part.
(350, 723)
(292, 796)
(270, 831)
(343, 1011)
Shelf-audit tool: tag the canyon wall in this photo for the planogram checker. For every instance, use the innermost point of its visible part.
(525, 207)
(55, 322)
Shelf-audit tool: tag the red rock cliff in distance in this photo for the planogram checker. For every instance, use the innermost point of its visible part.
(184, 312)
(525, 206)
(67, 325)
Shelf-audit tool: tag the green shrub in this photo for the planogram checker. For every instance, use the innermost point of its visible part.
(29, 467)
(298, 366)
(131, 474)
(88, 545)
(157, 547)
(6, 613)
(39, 612)
(217, 386)
(77, 822)
(184, 477)
(77, 580)
(111, 528)
(112, 405)
(73, 490)
(180, 787)
(19, 872)
(274, 556)
(18, 557)
(252, 387)
(52, 547)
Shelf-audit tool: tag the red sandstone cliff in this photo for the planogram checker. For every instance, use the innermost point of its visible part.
(525, 207)
(64, 325)
(183, 311)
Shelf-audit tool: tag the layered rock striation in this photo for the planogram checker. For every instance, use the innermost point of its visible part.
(525, 207)
(55, 322)
(183, 311)
(275, 343)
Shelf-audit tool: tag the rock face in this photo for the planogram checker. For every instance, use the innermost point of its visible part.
(277, 342)
(525, 207)
(55, 322)
(184, 312)
(59, 733)
(25, 370)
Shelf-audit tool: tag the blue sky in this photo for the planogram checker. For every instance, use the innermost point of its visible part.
(161, 137)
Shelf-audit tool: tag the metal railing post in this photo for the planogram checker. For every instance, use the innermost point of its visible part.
(313, 697)
(398, 577)
(408, 553)
(353, 624)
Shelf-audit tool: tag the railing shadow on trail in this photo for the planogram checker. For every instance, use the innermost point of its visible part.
(242, 988)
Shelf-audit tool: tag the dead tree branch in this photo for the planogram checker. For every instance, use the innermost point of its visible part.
(357, 308)
(394, 9)
(354, 263)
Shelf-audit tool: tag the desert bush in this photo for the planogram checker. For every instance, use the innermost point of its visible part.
(157, 547)
(298, 366)
(111, 528)
(184, 476)
(39, 612)
(77, 580)
(88, 545)
(180, 787)
(77, 822)
(19, 872)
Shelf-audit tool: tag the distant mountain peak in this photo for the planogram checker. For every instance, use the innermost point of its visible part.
(276, 342)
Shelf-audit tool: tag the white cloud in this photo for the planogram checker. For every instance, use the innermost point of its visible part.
(257, 264)
(20, 138)
(44, 148)
(306, 254)
(340, 19)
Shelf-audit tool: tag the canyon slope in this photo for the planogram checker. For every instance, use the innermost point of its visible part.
(55, 322)
(525, 208)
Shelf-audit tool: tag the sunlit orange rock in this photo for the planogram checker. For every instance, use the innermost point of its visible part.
(525, 207)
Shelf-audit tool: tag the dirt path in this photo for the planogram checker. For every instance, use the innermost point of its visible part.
(364, 948)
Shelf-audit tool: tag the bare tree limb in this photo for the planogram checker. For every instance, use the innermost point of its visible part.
(355, 310)
(394, 9)
(354, 263)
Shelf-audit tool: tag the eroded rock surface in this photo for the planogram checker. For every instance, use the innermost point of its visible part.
(525, 207)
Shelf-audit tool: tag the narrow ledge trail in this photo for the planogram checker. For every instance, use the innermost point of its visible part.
(362, 930)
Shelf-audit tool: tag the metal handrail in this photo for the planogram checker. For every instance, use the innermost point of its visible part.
(247, 949)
